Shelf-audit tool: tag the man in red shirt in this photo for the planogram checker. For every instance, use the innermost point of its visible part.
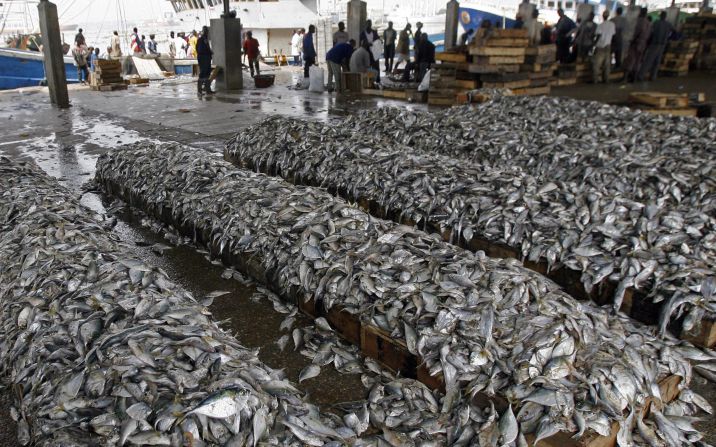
(251, 50)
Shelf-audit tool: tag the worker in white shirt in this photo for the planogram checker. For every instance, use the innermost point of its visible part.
(602, 58)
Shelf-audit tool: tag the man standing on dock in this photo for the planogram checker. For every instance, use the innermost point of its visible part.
(116, 48)
(564, 27)
(136, 43)
(203, 54)
(637, 46)
(172, 46)
(389, 38)
(251, 49)
(338, 57)
(426, 56)
(340, 36)
(584, 39)
(620, 24)
(80, 38)
(309, 51)
(152, 45)
(403, 48)
(602, 58)
(79, 54)
(661, 30)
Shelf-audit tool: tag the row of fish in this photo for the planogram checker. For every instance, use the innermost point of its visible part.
(489, 327)
(551, 196)
(102, 349)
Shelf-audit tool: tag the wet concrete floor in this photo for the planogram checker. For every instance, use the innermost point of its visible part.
(66, 144)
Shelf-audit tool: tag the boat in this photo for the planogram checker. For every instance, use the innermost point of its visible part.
(25, 68)
(271, 22)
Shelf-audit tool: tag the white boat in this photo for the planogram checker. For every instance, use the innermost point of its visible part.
(271, 22)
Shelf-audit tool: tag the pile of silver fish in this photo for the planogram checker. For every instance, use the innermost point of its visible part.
(102, 349)
(639, 215)
(489, 327)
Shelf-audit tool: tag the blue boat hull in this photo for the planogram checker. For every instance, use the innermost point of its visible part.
(472, 18)
(20, 68)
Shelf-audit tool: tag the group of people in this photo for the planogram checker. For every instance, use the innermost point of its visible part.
(364, 56)
(85, 57)
(605, 42)
(179, 45)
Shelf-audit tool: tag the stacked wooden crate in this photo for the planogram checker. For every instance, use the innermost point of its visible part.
(677, 57)
(540, 64)
(107, 76)
(702, 28)
(449, 77)
(566, 74)
(495, 59)
(498, 52)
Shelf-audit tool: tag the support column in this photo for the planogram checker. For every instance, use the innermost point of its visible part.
(526, 13)
(52, 54)
(451, 19)
(631, 15)
(225, 37)
(584, 10)
(357, 16)
(705, 7)
(672, 14)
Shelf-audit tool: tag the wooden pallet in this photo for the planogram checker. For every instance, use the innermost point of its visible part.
(451, 57)
(499, 51)
(532, 91)
(109, 87)
(660, 100)
(498, 60)
(685, 111)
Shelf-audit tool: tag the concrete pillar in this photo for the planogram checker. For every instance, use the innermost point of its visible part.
(357, 16)
(225, 37)
(451, 19)
(526, 12)
(583, 11)
(52, 54)
(672, 14)
(705, 7)
(630, 15)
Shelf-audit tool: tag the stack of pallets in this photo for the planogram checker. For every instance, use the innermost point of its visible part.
(677, 57)
(702, 28)
(495, 59)
(450, 78)
(540, 64)
(107, 76)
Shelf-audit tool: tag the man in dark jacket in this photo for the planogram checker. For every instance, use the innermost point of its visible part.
(203, 55)
(426, 56)
(309, 51)
(337, 58)
(564, 27)
(369, 34)
(661, 30)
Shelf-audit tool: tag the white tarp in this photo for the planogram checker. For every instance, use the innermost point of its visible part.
(147, 68)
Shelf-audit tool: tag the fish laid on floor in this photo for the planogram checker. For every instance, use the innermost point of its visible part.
(103, 349)
(487, 326)
(614, 194)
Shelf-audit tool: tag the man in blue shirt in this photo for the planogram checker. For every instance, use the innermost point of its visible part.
(337, 57)
(94, 56)
(309, 51)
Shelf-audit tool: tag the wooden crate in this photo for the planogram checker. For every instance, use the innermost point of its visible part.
(498, 51)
